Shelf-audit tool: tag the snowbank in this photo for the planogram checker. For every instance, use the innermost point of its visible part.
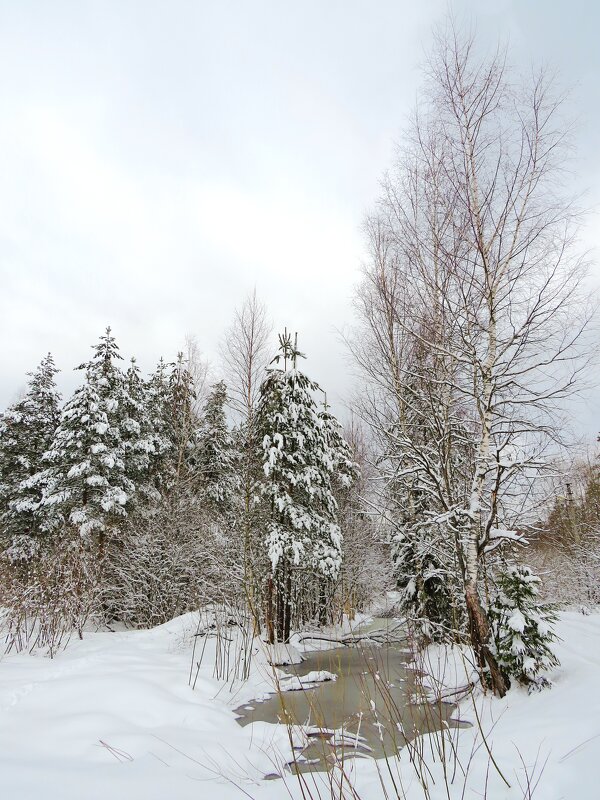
(113, 716)
(548, 739)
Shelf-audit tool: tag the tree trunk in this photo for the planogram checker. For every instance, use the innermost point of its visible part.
(480, 633)
(269, 621)
(283, 601)
(287, 616)
(322, 602)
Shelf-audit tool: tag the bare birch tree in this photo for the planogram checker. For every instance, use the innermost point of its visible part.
(245, 353)
(473, 304)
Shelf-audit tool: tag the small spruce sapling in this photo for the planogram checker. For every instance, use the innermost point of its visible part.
(523, 628)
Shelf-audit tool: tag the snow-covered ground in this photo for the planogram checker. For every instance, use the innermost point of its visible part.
(113, 716)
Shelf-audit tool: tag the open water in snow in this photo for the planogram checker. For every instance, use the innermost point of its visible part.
(377, 703)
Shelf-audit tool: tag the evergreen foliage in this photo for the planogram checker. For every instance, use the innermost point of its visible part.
(154, 498)
(86, 483)
(160, 428)
(522, 627)
(26, 432)
(180, 425)
(214, 459)
(300, 454)
(430, 597)
(140, 444)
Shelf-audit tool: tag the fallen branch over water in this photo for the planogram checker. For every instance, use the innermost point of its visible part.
(389, 635)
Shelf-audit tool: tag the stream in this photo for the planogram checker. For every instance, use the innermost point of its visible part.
(377, 703)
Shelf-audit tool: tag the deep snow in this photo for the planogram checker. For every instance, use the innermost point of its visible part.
(113, 716)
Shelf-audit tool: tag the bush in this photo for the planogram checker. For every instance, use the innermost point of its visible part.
(169, 564)
(48, 597)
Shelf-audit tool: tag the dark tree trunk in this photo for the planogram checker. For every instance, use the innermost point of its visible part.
(479, 628)
(323, 601)
(287, 617)
(269, 621)
(280, 597)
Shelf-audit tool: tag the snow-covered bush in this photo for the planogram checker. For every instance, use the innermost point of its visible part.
(170, 563)
(49, 597)
(522, 627)
(571, 570)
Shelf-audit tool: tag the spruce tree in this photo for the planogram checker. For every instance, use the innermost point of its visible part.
(425, 580)
(214, 458)
(86, 483)
(300, 454)
(168, 430)
(181, 426)
(26, 432)
(158, 413)
(522, 628)
(139, 440)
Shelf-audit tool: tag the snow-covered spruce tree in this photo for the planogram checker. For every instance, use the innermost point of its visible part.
(522, 628)
(26, 432)
(141, 444)
(87, 488)
(423, 554)
(167, 440)
(301, 452)
(158, 412)
(425, 561)
(214, 459)
(181, 426)
(160, 568)
(425, 577)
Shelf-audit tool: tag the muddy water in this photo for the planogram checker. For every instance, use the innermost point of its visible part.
(375, 705)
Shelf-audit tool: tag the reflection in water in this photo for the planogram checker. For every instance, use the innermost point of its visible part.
(376, 704)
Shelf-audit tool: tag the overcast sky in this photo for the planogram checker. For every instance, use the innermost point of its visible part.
(160, 159)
